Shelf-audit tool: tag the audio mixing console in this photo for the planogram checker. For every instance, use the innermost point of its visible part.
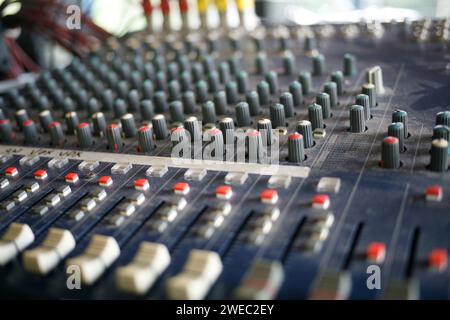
(308, 154)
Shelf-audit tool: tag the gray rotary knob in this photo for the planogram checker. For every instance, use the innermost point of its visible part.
(114, 137)
(295, 88)
(331, 89)
(231, 91)
(201, 91)
(288, 63)
(271, 78)
(439, 155)
(120, 108)
(160, 127)
(397, 130)
(261, 63)
(305, 79)
(133, 100)
(7, 134)
(98, 123)
(145, 139)
(174, 90)
(224, 72)
(363, 100)
(243, 114)
(176, 111)
(277, 115)
(215, 145)
(226, 125)
(30, 132)
(349, 67)
(213, 81)
(254, 146)
(147, 110)
(107, 100)
(263, 92)
(265, 129)
(252, 99)
(315, 116)
(243, 82)
(188, 99)
(72, 122)
(194, 127)
(441, 132)
(147, 89)
(84, 135)
(21, 117)
(369, 89)
(56, 134)
(296, 151)
(338, 78)
(318, 65)
(304, 127)
(287, 100)
(323, 100)
(208, 112)
(401, 116)
(160, 100)
(45, 118)
(357, 119)
(443, 118)
(220, 102)
(128, 125)
(390, 153)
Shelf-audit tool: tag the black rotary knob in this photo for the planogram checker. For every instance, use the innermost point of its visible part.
(84, 135)
(98, 123)
(401, 116)
(439, 155)
(176, 111)
(277, 115)
(315, 116)
(128, 125)
(209, 112)
(263, 92)
(323, 100)
(252, 99)
(226, 125)
(194, 127)
(114, 137)
(45, 118)
(357, 119)
(243, 114)
(56, 134)
(390, 153)
(295, 88)
(145, 139)
(296, 151)
(7, 134)
(304, 127)
(287, 100)
(265, 129)
(443, 118)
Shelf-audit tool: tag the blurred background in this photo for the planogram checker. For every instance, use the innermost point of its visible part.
(119, 16)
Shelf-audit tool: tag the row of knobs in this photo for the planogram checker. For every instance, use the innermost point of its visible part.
(393, 145)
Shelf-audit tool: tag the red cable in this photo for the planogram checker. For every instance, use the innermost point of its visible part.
(183, 6)
(165, 7)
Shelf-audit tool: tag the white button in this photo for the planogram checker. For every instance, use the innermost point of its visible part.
(157, 171)
(195, 174)
(236, 178)
(121, 168)
(57, 163)
(16, 239)
(101, 252)
(44, 258)
(88, 165)
(279, 181)
(198, 276)
(149, 262)
(329, 185)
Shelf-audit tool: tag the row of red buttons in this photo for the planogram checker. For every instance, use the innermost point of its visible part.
(437, 259)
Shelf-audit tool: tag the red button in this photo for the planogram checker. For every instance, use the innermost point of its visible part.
(11, 171)
(181, 188)
(224, 192)
(438, 259)
(269, 196)
(376, 252)
(434, 193)
(41, 174)
(321, 201)
(141, 184)
(71, 177)
(105, 181)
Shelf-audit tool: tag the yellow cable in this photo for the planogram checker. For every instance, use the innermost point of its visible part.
(222, 5)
